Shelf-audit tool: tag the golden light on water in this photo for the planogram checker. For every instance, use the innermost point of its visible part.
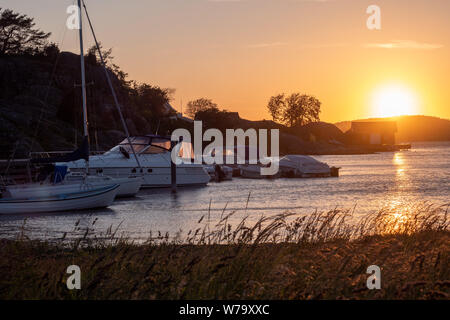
(394, 100)
(396, 217)
(398, 159)
(399, 163)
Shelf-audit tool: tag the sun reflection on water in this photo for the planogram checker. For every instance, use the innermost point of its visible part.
(399, 162)
(407, 217)
(396, 215)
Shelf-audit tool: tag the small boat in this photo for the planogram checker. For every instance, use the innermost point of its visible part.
(90, 199)
(128, 186)
(300, 166)
(253, 171)
(75, 182)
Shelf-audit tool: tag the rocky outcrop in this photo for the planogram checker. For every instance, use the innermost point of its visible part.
(41, 108)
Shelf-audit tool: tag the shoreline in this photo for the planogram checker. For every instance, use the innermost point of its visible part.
(320, 256)
(413, 267)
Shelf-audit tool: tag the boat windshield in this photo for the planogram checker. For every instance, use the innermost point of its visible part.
(146, 145)
(154, 145)
(158, 146)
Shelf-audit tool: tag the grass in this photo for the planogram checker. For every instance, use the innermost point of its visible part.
(324, 255)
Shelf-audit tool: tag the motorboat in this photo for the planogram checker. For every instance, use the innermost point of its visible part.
(253, 171)
(154, 155)
(85, 199)
(301, 166)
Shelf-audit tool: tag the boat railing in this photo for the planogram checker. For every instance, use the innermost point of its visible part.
(50, 154)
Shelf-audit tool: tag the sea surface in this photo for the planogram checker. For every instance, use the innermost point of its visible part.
(366, 184)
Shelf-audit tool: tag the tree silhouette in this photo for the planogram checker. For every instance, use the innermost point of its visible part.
(276, 105)
(151, 99)
(293, 110)
(17, 34)
(94, 58)
(198, 105)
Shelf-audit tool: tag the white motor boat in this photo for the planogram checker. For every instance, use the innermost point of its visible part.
(303, 167)
(154, 156)
(87, 199)
(253, 171)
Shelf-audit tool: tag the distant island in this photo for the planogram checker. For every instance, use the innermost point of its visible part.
(412, 128)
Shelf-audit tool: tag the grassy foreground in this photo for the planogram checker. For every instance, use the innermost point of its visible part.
(315, 257)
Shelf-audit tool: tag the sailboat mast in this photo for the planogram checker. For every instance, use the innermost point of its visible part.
(83, 82)
(108, 78)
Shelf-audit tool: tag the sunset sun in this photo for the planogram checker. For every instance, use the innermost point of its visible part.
(394, 100)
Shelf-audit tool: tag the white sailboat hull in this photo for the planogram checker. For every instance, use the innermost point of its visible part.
(128, 186)
(91, 199)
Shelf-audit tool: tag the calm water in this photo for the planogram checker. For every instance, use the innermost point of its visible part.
(367, 181)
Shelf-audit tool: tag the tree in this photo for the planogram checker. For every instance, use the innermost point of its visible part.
(93, 55)
(293, 110)
(93, 58)
(198, 105)
(152, 99)
(18, 35)
(51, 51)
(276, 105)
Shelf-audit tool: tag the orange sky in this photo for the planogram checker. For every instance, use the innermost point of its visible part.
(240, 52)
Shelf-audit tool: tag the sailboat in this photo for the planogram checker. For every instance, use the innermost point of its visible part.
(75, 182)
(86, 192)
(88, 199)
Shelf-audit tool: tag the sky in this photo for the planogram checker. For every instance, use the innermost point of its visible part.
(241, 52)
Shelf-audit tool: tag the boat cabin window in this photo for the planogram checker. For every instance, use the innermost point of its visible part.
(139, 144)
(137, 148)
(158, 146)
(154, 150)
(155, 145)
(146, 145)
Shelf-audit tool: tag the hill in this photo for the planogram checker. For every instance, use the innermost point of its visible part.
(413, 128)
(315, 138)
(40, 105)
